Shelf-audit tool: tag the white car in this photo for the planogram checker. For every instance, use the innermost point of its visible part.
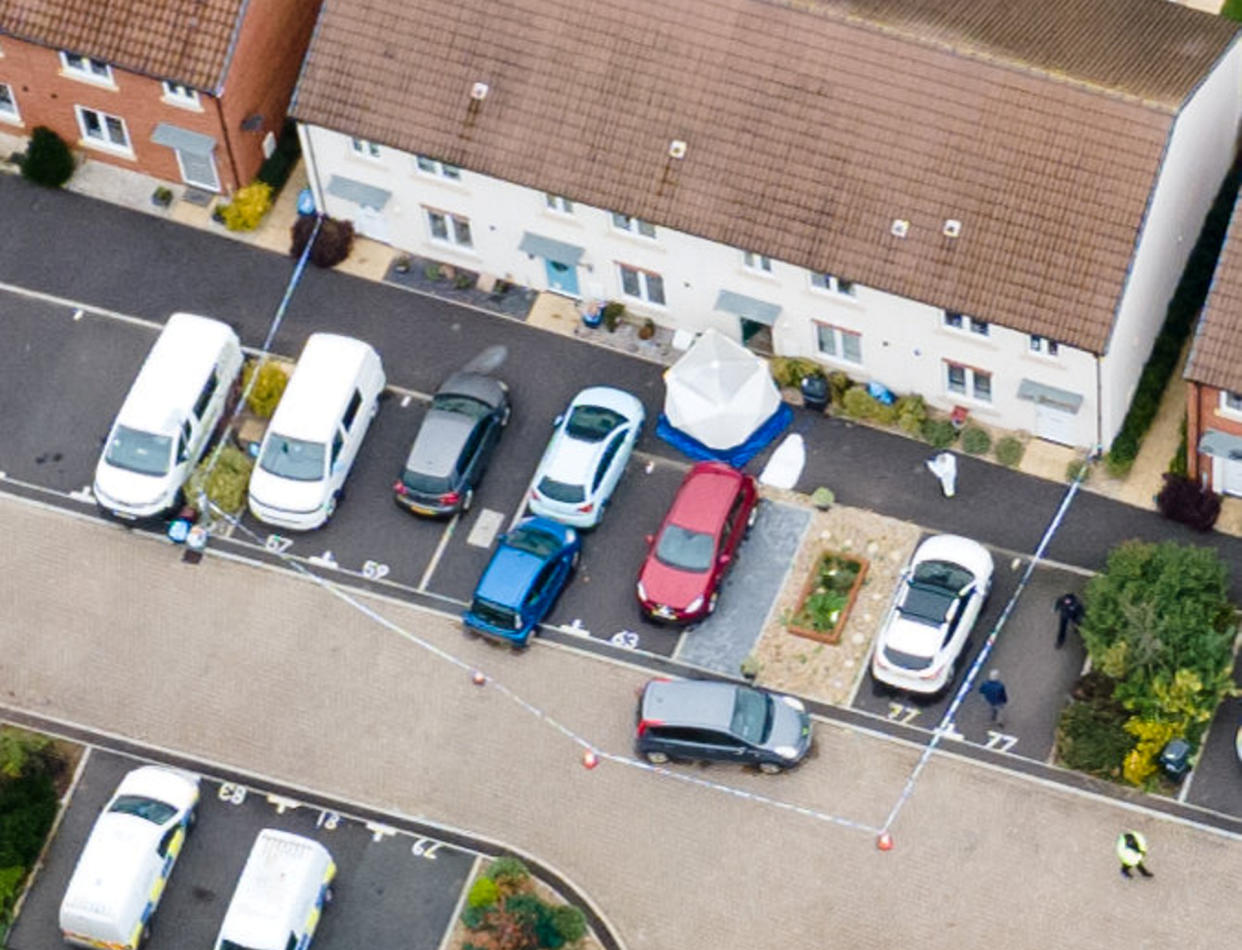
(586, 456)
(938, 601)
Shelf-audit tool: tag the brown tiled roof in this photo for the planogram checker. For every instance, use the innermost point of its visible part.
(810, 126)
(183, 40)
(1216, 355)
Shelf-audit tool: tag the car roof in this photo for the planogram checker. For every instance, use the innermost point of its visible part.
(508, 576)
(705, 496)
(322, 380)
(690, 703)
(476, 385)
(439, 442)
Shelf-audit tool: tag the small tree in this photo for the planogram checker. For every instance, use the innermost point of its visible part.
(248, 206)
(48, 160)
(335, 240)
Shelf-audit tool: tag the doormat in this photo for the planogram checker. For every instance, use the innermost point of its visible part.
(196, 196)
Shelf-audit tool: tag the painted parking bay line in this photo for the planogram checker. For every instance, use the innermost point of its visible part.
(486, 526)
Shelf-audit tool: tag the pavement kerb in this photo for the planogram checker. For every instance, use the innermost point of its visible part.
(219, 771)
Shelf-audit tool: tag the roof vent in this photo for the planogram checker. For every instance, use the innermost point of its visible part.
(478, 91)
(677, 148)
(952, 227)
(900, 227)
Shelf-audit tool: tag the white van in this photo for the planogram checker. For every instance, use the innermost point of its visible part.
(280, 894)
(167, 419)
(125, 864)
(315, 432)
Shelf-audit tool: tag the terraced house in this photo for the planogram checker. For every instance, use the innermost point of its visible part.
(985, 202)
(188, 91)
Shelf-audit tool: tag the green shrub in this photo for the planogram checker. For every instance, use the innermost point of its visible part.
(911, 413)
(1092, 737)
(858, 403)
(788, 371)
(276, 167)
(48, 160)
(839, 384)
(507, 871)
(473, 918)
(570, 923)
(27, 807)
(612, 313)
(535, 917)
(248, 206)
(1009, 451)
(975, 441)
(1232, 10)
(885, 413)
(1078, 467)
(22, 752)
(940, 433)
(335, 240)
(1178, 463)
(464, 281)
(268, 388)
(483, 892)
(823, 497)
(1122, 454)
(228, 482)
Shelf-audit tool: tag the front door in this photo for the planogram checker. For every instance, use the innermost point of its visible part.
(562, 279)
(198, 170)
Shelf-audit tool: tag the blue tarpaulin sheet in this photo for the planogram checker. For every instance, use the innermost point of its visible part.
(738, 455)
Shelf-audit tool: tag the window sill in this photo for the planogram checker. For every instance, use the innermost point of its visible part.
(840, 361)
(14, 121)
(972, 402)
(439, 180)
(959, 335)
(116, 150)
(1229, 415)
(764, 275)
(455, 248)
(833, 295)
(651, 244)
(109, 84)
(641, 303)
(183, 104)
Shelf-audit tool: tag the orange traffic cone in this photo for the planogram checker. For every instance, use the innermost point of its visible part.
(884, 842)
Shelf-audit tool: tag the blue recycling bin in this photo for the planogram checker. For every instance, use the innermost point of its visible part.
(306, 202)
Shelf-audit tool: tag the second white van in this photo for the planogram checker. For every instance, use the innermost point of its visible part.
(315, 432)
(280, 894)
(168, 417)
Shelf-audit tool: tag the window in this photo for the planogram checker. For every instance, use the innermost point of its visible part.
(839, 344)
(1231, 402)
(967, 381)
(1043, 345)
(558, 204)
(430, 166)
(180, 94)
(365, 148)
(953, 320)
(757, 262)
(83, 67)
(623, 222)
(102, 129)
(450, 228)
(204, 398)
(642, 284)
(351, 411)
(338, 443)
(959, 322)
(8, 105)
(832, 284)
(978, 326)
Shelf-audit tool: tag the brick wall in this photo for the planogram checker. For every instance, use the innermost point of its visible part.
(1203, 413)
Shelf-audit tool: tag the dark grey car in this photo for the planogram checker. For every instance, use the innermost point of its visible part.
(454, 445)
(692, 720)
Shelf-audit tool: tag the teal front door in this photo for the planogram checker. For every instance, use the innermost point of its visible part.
(562, 279)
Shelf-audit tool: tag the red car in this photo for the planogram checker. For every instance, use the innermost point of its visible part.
(687, 559)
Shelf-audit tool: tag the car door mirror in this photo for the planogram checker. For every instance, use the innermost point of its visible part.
(650, 540)
(558, 420)
(724, 559)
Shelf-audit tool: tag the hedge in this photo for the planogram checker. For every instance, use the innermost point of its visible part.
(1187, 300)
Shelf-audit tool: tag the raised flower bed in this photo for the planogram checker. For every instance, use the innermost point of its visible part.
(828, 596)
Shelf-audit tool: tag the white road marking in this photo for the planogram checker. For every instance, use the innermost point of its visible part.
(438, 553)
(324, 560)
(282, 804)
(78, 306)
(486, 527)
(78, 314)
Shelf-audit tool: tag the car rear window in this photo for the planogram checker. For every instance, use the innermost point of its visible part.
(560, 491)
(592, 423)
(907, 661)
(143, 807)
(685, 549)
(422, 484)
(752, 715)
(143, 452)
(466, 405)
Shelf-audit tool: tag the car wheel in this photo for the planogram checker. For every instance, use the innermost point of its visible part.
(573, 564)
(467, 500)
(752, 517)
(328, 894)
(711, 601)
(770, 768)
(657, 758)
(330, 508)
(145, 936)
(504, 418)
(192, 819)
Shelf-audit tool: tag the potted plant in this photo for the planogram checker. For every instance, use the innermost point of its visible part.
(402, 264)
(162, 197)
(647, 329)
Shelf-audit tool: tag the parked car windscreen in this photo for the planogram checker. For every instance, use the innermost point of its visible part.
(143, 452)
(533, 541)
(495, 614)
(684, 549)
(752, 716)
(143, 807)
(293, 458)
(932, 590)
(560, 491)
(466, 405)
(592, 423)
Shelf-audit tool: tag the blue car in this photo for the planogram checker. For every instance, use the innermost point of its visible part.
(531, 566)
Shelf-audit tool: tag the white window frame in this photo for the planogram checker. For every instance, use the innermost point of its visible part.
(453, 225)
(757, 263)
(87, 69)
(837, 338)
(1044, 346)
(105, 144)
(436, 169)
(953, 320)
(1226, 408)
(15, 115)
(832, 284)
(180, 95)
(634, 226)
(364, 148)
(558, 204)
(970, 382)
(643, 280)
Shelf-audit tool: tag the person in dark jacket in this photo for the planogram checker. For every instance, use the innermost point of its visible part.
(993, 691)
(1071, 611)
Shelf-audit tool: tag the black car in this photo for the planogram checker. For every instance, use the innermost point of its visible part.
(453, 445)
(693, 720)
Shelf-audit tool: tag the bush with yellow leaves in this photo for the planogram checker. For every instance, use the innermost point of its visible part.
(1140, 763)
(248, 207)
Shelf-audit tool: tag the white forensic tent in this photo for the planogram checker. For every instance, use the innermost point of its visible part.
(719, 392)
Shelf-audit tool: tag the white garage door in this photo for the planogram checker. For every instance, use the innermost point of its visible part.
(1056, 424)
(1231, 476)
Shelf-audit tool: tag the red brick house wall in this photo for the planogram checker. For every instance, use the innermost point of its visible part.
(1203, 413)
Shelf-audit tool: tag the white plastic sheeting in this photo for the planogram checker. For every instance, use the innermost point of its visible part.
(785, 466)
(719, 392)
